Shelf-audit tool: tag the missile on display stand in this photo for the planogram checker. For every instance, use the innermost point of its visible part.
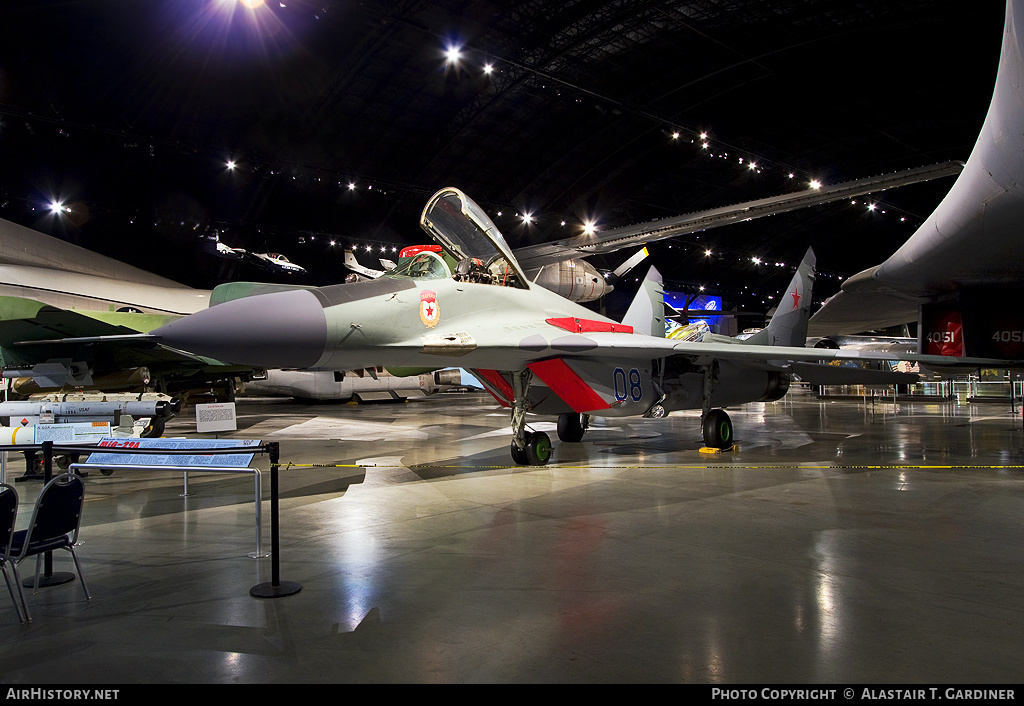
(134, 408)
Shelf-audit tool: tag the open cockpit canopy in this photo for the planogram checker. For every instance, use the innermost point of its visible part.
(471, 239)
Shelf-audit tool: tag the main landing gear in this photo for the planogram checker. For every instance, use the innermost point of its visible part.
(717, 428)
(528, 447)
(572, 426)
(715, 423)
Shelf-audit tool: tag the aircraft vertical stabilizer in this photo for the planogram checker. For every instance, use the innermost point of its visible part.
(647, 312)
(788, 326)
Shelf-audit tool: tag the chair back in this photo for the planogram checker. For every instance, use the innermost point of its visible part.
(58, 509)
(8, 516)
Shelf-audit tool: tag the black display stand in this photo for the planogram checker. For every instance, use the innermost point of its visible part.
(275, 588)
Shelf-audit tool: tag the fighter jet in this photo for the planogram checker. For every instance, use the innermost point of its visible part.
(959, 275)
(465, 302)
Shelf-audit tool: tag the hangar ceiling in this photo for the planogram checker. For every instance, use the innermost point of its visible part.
(129, 113)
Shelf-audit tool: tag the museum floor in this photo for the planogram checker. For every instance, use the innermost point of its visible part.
(844, 541)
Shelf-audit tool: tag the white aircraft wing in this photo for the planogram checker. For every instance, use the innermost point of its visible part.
(535, 256)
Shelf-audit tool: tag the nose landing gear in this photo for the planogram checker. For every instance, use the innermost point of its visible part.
(528, 447)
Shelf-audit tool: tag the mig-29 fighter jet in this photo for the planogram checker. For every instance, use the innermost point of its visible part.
(465, 302)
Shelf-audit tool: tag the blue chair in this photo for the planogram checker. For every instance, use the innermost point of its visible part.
(8, 516)
(54, 525)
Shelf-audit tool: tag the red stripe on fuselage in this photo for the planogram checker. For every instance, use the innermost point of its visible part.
(569, 386)
(501, 387)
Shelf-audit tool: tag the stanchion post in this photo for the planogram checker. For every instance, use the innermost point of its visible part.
(274, 589)
(48, 578)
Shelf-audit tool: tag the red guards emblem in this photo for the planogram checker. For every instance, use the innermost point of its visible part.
(430, 312)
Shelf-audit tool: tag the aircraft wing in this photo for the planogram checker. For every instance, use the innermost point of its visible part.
(535, 256)
(612, 346)
(851, 313)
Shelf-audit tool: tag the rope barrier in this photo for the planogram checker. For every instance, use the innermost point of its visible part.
(287, 465)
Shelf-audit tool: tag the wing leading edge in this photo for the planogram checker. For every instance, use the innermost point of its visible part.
(535, 256)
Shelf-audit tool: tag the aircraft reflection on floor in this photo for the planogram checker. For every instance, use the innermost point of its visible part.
(439, 541)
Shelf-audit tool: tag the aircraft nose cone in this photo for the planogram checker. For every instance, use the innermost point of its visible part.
(279, 330)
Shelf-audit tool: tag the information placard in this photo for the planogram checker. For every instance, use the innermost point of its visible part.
(196, 461)
(71, 432)
(218, 416)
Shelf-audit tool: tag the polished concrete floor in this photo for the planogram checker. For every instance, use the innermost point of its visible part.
(844, 541)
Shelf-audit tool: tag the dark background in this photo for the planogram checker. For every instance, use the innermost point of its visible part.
(128, 111)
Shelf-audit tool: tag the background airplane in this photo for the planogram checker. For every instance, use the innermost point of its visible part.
(959, 276)
(277, 262)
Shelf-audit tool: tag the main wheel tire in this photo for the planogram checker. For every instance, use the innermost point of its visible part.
(538, 449)
(570, 427)
(519, 455)
(717, 428)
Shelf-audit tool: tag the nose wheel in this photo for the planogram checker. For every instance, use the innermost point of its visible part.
(531, 448)
(536, 452)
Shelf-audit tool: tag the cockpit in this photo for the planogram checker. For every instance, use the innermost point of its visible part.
(469, 247)
(425, 264)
